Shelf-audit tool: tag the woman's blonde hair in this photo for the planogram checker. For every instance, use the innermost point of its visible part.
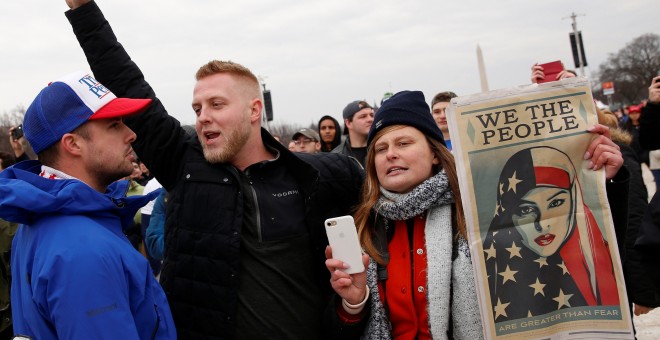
(364, 219)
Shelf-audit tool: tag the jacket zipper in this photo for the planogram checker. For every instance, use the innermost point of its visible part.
(256, 206)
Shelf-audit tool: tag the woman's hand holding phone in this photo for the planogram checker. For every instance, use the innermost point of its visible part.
(348, 275)
(350, 287)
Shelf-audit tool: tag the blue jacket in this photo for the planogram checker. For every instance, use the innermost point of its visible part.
(156, 230)
(76, 275)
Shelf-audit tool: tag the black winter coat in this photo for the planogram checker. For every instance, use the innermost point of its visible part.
(648, 238)
(639, 284)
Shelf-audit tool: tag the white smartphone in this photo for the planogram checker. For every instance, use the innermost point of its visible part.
(343, 239)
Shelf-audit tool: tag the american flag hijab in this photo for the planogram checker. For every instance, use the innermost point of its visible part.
(525, 283)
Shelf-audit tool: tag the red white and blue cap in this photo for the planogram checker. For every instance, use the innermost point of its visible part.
(69, 102)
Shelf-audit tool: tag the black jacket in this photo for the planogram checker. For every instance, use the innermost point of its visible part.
(649, 125)
(206, 209)
(648, 238)
(639, 284)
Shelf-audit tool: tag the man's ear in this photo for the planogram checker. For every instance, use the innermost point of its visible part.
(71, 144)
(317, 146)
(255, 110)
(348, 123)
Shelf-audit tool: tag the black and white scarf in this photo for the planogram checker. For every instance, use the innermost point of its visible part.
(434, 191)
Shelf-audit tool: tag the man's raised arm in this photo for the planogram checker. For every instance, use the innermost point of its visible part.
(160, 139)
(109, 62)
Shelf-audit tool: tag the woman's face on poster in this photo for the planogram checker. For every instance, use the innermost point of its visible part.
(543, 219)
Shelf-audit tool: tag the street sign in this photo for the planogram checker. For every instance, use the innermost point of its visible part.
(608, 88)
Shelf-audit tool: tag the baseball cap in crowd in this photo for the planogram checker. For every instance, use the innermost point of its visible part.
(634, 108)
(353, 107)
(309, 133)
(406, 108)
(69, 102)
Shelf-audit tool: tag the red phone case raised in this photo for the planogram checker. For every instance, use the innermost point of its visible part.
(551, 70)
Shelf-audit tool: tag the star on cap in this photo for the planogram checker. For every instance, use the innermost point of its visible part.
(500, 308)
(497, 209)
(501, 188)
(508, 275)
(490, 252)
(562, 299)
(538, 287)
(513, 182)
(514, 250)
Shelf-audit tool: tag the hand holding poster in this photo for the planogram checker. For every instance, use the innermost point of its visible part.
(539, 225)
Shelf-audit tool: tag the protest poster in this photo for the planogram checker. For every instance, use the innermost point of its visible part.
(540, 230)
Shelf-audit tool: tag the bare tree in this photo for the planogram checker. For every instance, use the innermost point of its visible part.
(631, 69)
(4, 140)
(285, 131)
(13, 117)
(8, 119)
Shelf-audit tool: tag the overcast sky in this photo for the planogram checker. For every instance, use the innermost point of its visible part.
(316, 56)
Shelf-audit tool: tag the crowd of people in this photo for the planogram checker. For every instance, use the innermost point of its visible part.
(358, 117)
(134, 227)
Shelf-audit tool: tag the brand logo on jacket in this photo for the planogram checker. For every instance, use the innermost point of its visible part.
(286, 193)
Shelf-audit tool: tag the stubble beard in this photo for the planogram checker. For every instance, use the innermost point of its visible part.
(233, 144)
(106, 175)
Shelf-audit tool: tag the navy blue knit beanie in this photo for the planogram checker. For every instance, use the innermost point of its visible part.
(406, 108)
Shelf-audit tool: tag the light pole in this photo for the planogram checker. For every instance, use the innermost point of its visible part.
(578, 42)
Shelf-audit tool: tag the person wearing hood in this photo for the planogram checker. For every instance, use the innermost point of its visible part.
(76, 275)
(330, 132)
